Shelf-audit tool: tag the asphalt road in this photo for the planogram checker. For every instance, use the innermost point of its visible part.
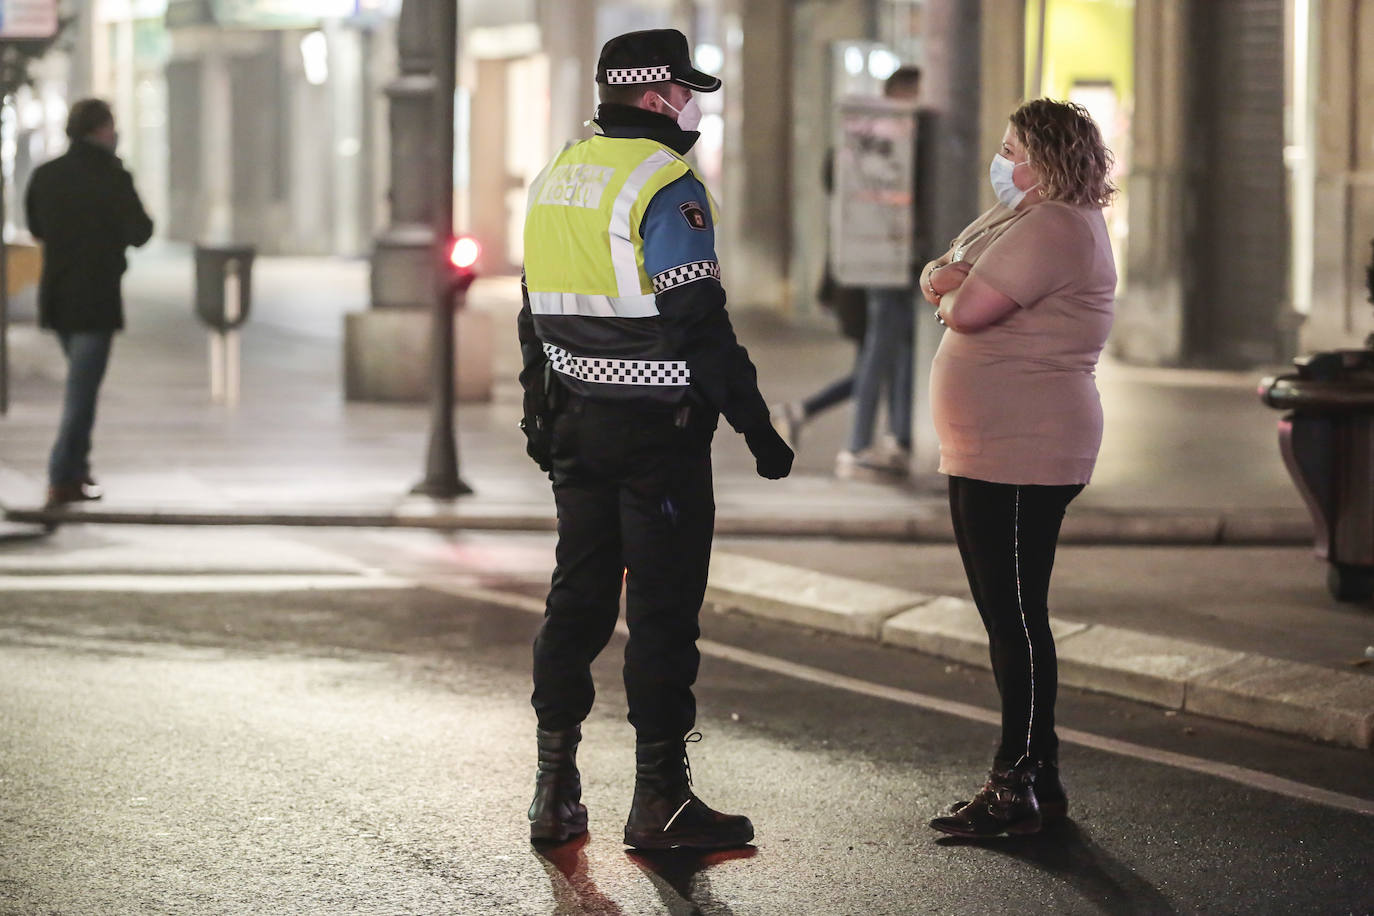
(201, 738)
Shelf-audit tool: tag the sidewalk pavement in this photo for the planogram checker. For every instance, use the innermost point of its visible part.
(1189, 458)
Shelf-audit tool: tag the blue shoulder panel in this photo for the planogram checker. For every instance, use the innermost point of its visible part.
(679, 236)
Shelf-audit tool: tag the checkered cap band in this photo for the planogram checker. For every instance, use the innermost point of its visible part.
(618, 371)
(639, 75)
(685, 273)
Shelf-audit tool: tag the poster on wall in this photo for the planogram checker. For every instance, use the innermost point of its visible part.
(871, 217)
(33, 20)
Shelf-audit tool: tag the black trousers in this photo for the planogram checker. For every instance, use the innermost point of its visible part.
(1007, 536)
(635, 504)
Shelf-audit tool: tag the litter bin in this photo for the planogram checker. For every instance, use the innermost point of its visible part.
(1327, 442)
(224, 284)
(224, 297)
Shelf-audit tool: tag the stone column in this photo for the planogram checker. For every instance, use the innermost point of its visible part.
(755, 239)
(386, 348)
(569, 33)
(401, 263)
(1149, 325)
(1343, 192)
(216, 131)
(1002, 77)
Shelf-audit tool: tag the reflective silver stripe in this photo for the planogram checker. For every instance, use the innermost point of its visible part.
(1025, 627)
(682, 807)
(622, 245)
(593, 306)
(619, 371)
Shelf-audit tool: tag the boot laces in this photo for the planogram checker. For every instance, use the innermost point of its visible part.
(692, 738)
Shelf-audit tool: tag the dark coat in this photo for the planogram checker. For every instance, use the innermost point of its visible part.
(83, 207)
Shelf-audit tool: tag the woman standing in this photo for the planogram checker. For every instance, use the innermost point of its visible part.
(1027, 293)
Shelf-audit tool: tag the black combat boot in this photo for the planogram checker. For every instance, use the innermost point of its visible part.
(557, 812)
(1005, 804)
(665, 814)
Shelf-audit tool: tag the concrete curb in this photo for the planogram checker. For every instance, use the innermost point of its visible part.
(1269, 693)
(1088, 525)
(804, 597)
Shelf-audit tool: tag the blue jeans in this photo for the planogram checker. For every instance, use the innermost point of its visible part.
(837, 392)
(88, 352)
(885, 365)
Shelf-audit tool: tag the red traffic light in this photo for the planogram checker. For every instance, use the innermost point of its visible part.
(465, 252)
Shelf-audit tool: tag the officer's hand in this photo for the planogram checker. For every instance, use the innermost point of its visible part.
(538, 442)
(772, 457)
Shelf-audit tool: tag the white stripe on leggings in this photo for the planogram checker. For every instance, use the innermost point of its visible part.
(1030, 648)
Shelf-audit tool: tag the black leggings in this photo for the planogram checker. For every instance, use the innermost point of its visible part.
(1006, 535)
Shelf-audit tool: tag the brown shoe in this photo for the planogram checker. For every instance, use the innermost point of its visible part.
(1005, 804)
(60, 494)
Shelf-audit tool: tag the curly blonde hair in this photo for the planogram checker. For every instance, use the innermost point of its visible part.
(1063, 142)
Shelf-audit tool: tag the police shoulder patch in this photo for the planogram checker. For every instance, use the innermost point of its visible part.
(695, 216)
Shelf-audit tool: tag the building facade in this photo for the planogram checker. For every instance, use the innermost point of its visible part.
(1246, 210)
(1243, 129)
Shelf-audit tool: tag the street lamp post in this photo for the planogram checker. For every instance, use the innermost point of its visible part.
(451, 279)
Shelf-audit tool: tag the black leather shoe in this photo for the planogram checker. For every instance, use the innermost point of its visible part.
(557, 812)
(1049, 793)
(1005, 804)
(665, 814)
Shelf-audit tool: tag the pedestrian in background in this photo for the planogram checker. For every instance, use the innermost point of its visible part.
(849, 305)
(629, 361)
(884, 365)
(83, 207)
(1027, 292)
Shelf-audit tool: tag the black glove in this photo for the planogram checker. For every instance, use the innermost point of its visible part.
(772, 457)
(538, 441)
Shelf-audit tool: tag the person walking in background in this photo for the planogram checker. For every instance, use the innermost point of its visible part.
(83, 207)
(1027, 293)
(884, 364)
(629, 361)
(849, 304)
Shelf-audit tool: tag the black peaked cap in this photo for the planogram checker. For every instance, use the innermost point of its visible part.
(651, 56)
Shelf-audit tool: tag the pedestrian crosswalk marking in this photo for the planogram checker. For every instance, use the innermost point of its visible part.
(218, 582)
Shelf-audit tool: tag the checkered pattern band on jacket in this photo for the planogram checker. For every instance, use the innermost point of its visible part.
(639, 75)
(685, 273)
(618, 371)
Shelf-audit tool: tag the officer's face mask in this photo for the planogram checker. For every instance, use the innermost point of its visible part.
(689, 116)
(1002, 174)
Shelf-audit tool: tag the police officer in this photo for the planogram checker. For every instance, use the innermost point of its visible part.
(629, 360)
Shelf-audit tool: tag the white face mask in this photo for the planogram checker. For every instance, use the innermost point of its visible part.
(689, 118)
(1001, 173)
